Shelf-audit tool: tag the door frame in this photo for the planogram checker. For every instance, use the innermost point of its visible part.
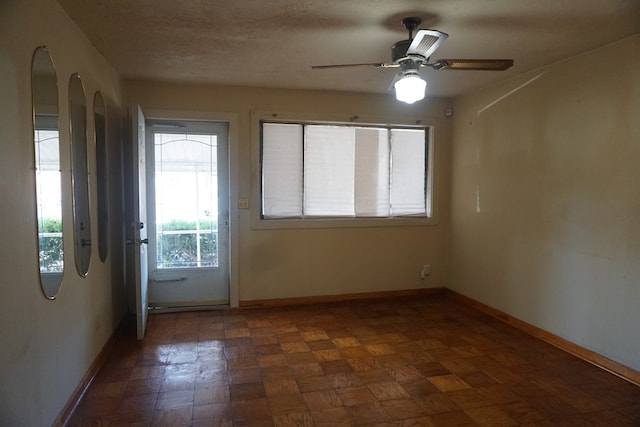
(204, 286)
(233, 159)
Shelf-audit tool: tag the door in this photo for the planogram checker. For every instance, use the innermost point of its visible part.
(188, 192)
(137, 241)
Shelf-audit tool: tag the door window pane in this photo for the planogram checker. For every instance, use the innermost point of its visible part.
(186, 190)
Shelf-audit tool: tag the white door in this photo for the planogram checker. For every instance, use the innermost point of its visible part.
(188, 192)
(139, 223)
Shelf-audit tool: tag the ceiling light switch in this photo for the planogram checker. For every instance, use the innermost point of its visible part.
(243, 204)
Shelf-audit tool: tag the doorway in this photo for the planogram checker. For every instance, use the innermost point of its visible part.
(188, 213)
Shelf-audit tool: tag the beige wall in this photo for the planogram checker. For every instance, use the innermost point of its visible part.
(47, 346)
(542, 180)
(293, 263)
(545, 200)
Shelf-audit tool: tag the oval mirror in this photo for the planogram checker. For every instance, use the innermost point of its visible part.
(100, 135)
(79, 175)
(48, 179)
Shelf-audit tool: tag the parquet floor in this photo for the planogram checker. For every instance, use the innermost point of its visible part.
(418, 361)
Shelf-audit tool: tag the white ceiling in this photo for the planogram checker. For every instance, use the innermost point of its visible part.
(273, 43)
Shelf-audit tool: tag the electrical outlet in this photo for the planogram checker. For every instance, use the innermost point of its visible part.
(243, 203)
(426, 270)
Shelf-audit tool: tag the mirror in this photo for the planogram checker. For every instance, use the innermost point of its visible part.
(100, 135)
(48, 179)
(79, 175)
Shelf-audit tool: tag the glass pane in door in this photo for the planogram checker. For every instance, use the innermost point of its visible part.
(186, 190)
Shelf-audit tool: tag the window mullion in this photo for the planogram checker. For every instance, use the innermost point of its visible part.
(303, 141)
(390, 169)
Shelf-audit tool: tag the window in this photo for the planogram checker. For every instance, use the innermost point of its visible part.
(342, 171)
(186, 200)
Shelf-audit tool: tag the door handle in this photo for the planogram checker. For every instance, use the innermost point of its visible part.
(137, 242)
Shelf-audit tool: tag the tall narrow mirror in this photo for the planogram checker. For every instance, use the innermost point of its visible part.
(48, 180)
(100, 135)
(80, 175)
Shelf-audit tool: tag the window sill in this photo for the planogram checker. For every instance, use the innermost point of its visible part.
(283, 224)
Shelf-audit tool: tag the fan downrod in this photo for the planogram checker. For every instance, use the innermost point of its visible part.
(399, 49)
(410, 24)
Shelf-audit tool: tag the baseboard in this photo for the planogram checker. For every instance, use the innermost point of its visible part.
(590, 356)
(278, 302)
(65, 415)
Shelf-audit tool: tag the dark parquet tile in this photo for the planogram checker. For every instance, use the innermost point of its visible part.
(418, 361)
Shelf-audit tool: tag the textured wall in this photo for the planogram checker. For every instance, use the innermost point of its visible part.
(546, 202)
(47, 346)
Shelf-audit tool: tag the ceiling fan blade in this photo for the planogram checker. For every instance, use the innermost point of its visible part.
(372, 64)
(472, 64)
(426, 42)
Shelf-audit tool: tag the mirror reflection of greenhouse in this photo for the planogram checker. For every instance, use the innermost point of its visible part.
(50, 244)
(48, 195)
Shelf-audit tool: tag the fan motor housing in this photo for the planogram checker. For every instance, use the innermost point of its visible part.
(399, 50)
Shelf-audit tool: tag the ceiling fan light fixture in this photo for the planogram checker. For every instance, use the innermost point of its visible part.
(410, 87)
(415, 52)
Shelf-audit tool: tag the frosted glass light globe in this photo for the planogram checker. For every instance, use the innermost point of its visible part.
(410, 88)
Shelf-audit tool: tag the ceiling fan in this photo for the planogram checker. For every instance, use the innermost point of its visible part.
(415, 52)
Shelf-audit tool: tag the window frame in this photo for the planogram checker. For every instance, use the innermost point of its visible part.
(259, 222)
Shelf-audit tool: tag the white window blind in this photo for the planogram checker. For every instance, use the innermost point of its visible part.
(342, 171)
(281, 170)
(329, 164)
(407, 172)
(372, 172)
